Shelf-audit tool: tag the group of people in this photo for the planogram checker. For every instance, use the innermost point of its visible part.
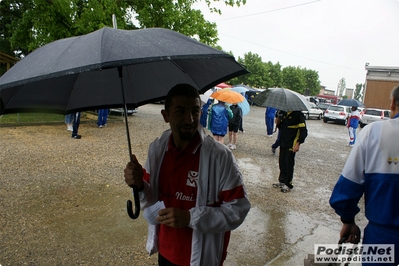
(222, 119)
(72, 121)
(198, 180)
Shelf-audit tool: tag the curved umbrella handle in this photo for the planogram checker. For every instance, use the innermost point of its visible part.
(134, 215)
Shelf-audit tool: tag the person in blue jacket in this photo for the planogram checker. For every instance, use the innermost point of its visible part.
(372, 171)
(269, 120)
(218, 120)
(204, 114)
(353, 123)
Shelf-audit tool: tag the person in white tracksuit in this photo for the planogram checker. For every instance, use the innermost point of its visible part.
(199, 182)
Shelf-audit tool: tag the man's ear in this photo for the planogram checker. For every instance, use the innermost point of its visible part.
(165, 115)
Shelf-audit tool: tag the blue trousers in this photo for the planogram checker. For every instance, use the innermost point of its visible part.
(269, 125)
(102, 117)
(76, 123)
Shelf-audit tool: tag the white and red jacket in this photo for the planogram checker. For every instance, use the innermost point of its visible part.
(218, 172)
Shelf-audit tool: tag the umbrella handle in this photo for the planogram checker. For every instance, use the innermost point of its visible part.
(134, 215)
(129, 205)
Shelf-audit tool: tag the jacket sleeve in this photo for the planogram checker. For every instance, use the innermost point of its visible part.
(303, 131)
(227, 200)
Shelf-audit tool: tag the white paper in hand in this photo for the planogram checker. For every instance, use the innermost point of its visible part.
(151, 213)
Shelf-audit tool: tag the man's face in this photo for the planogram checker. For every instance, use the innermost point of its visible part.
(183, 117)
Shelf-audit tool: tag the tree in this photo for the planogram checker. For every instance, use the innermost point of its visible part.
(341, 86)
(29, 24)
(358, 94)
(294, 79)
(258, 71)
(312, 82)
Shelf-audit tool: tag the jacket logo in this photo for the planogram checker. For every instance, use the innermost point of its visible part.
(394, 160)
(192, 179)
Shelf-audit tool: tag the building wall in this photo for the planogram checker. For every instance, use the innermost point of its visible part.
(380, 80)
(378, 92)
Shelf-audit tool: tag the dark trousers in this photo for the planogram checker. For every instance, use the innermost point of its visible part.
(277, 143)
(286, 163)
(76, 122)
(164, 262)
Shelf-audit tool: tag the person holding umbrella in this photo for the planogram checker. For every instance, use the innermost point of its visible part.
(199, 182)
(293, 133)
(234, 124)
(353, 122)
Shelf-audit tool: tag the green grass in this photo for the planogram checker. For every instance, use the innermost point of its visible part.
(30, 118)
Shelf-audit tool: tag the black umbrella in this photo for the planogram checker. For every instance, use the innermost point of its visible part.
(112, 68)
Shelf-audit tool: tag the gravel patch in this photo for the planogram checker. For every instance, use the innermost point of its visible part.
(63, 201)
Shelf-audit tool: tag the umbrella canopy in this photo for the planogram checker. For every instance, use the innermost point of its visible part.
(223, 85)
(244, 107)
(287, 100)
(351, 102)
(239, 89)
(260, 98)
(112, 68)
(83, 73)
(249, 88)
(228, 96)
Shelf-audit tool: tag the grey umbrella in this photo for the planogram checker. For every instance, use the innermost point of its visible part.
(112, 68)
(287, 100)
(260, 98)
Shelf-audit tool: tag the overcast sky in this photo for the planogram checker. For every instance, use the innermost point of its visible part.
(333, 37)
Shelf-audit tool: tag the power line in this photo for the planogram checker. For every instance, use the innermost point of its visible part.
(268, 11)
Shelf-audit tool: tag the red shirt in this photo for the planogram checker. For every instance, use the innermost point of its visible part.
(178, 188)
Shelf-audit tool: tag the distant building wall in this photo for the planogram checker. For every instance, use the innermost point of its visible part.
(349, 93)
(379, 83)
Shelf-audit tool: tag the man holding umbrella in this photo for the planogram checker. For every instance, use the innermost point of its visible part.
(293, 133)
(353, 122)
(198, 180)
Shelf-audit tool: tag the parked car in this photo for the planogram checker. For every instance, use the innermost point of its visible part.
(372, 114)
(120, 111)
(314, 112)
(323, 106)
(337, 114)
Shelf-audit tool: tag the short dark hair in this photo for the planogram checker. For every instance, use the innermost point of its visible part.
(395, 95)
(180, 90)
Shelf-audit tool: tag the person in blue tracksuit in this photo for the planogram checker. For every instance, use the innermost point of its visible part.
(352, 125)
(270, 113)
(372, 171)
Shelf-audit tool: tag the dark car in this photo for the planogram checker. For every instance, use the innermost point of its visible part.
(323, 106)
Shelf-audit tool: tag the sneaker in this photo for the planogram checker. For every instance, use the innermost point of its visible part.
(100, 126)
(229, 145)
(233, 147)
(77, 137)
(278, 185)
(285, 189)
(69, 128)
(274, 151)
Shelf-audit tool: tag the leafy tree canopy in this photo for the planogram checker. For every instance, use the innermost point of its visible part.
(28, 24)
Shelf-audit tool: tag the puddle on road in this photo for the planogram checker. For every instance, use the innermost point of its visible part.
(255, 174)
(264, 236)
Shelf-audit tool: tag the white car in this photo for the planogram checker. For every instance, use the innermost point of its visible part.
(315, 111)
(372, 114)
